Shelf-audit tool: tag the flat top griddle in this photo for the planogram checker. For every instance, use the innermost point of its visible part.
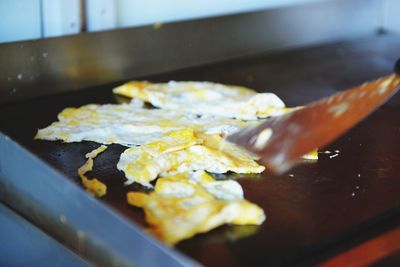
(315, 210)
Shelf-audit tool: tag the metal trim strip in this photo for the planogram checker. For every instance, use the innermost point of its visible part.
(41, 250)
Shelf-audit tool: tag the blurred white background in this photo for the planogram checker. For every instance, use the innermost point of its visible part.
(31, 19)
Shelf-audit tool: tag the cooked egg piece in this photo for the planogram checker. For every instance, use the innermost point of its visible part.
(133, 89)
(93, 186)
(191, 90)
(181, 152)
(312, 156)
(129, 124)
(201, 157)
(217, 142)
(143, 164)
(186, 204)
(123, 124)
(206, 98)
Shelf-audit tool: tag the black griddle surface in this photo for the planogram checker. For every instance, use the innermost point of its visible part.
(311, 210)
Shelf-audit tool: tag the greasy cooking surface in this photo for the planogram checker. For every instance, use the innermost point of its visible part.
(307, 209)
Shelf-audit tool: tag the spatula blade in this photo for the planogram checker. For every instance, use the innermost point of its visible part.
(281, 141)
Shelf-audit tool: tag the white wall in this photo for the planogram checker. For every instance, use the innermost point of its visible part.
(61, 17)
(19, 20)
(101, 14)
(392, 15)
(144, 12)
(30, 19)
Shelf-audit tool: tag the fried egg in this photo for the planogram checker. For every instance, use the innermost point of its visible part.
(130, 124)
(182, 151)
(206, 98)
(143, 164)
(186, 204)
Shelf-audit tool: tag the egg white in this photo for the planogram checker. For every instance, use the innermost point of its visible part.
(206, 98)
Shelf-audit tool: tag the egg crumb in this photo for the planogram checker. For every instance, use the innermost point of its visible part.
(93, 186)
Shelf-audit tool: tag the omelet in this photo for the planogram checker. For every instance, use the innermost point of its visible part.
(189, 203)
(206, 98)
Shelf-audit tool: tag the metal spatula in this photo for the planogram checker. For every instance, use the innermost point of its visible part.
(281, 141)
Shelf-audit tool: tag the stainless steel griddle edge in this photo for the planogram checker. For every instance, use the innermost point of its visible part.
(56, 204)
